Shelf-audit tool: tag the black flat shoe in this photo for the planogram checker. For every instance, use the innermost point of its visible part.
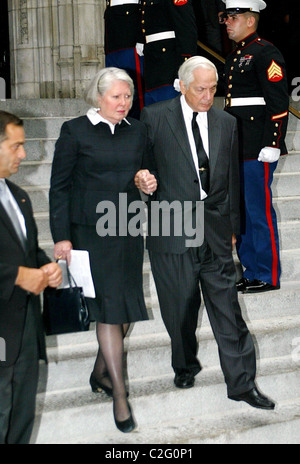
(98, 387)
(126, 426)
(255, 399)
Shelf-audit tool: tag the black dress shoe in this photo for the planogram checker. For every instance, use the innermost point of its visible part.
(242, 284)
(98, 387)
(126, 426)
(255, 399)
(184, 379)
(258, 286)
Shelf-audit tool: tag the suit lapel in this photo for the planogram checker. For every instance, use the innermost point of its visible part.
(214, 136)
(22, 203)
(177, 125)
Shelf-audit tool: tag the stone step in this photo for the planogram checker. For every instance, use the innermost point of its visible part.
(290, 262)
(45, 108)
(286, 179)
(150, 354)
(238, 426)
(289, 163)
(287, 207)
(42, 149)
(254, 307)
(286, 184)
(289, 232)
(84, 417)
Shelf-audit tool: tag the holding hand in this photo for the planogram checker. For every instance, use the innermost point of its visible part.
(54, 273)
(269, 155)
(32, 280)
(62, 250)
(145, 181)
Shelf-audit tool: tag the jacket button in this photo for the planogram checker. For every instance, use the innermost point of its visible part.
(196, 181)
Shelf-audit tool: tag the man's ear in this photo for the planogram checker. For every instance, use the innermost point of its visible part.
(251, 21)
(183, 88)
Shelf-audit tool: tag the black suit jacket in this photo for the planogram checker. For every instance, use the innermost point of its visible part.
(14, 300)
(178, 178)
(90, 166)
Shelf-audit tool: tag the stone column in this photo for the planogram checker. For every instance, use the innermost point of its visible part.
(56, 46)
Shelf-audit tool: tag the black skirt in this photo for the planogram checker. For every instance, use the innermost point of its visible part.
(117, 271)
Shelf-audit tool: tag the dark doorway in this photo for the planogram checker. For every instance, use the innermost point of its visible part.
(4, 46)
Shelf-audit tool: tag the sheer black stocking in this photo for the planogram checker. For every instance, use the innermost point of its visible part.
(108, 367)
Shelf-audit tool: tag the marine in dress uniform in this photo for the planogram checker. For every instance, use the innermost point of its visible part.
(257, 95)
(170, 37)
(122, 34)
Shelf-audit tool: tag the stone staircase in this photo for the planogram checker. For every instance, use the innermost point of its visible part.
(69, 413)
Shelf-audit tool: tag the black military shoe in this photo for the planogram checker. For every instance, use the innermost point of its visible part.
(258, 286)
(242, 284)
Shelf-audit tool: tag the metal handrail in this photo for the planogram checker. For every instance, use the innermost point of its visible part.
(222, 60)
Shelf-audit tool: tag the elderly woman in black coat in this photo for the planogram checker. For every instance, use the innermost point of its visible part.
(97, 158)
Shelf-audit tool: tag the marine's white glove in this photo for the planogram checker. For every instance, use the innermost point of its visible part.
(140, 49)
(176, 85)
(269, 155)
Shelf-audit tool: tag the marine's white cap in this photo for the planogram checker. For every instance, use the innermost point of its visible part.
(250, 5)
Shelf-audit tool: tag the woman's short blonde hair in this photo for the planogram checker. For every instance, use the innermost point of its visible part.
(102, 82)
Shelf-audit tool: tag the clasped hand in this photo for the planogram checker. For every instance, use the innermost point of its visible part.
(145, 181)
(36, 280)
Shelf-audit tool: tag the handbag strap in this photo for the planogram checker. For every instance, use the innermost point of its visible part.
(69, 275)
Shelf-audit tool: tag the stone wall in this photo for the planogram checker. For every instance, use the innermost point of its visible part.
(56, 46)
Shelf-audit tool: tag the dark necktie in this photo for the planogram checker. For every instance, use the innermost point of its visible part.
(10, 210)
(202, 156)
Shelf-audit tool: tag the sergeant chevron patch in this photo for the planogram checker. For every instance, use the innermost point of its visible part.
(275, 72)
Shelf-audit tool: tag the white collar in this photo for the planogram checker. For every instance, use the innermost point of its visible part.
(96, 118)
(188, 112)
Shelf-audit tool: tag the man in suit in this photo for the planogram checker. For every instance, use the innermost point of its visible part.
(25, 271)
(176, 128)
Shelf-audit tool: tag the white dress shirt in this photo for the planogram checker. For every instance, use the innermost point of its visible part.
(95, 118)
(203, 126)
(16, 207)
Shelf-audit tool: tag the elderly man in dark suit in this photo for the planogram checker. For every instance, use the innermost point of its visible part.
(182, 130)
(25, 271)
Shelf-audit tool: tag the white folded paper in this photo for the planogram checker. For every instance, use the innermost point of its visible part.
(81, 271)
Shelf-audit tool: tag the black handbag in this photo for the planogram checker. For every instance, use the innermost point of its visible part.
(65, 310)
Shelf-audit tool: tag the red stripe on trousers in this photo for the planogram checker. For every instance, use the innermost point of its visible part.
(270, 224)
(139, 79)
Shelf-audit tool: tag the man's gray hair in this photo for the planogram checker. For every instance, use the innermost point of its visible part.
(186, 70)
(102, 82)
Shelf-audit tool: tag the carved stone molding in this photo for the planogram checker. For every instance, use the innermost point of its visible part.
(23, 23)
(56, 46)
